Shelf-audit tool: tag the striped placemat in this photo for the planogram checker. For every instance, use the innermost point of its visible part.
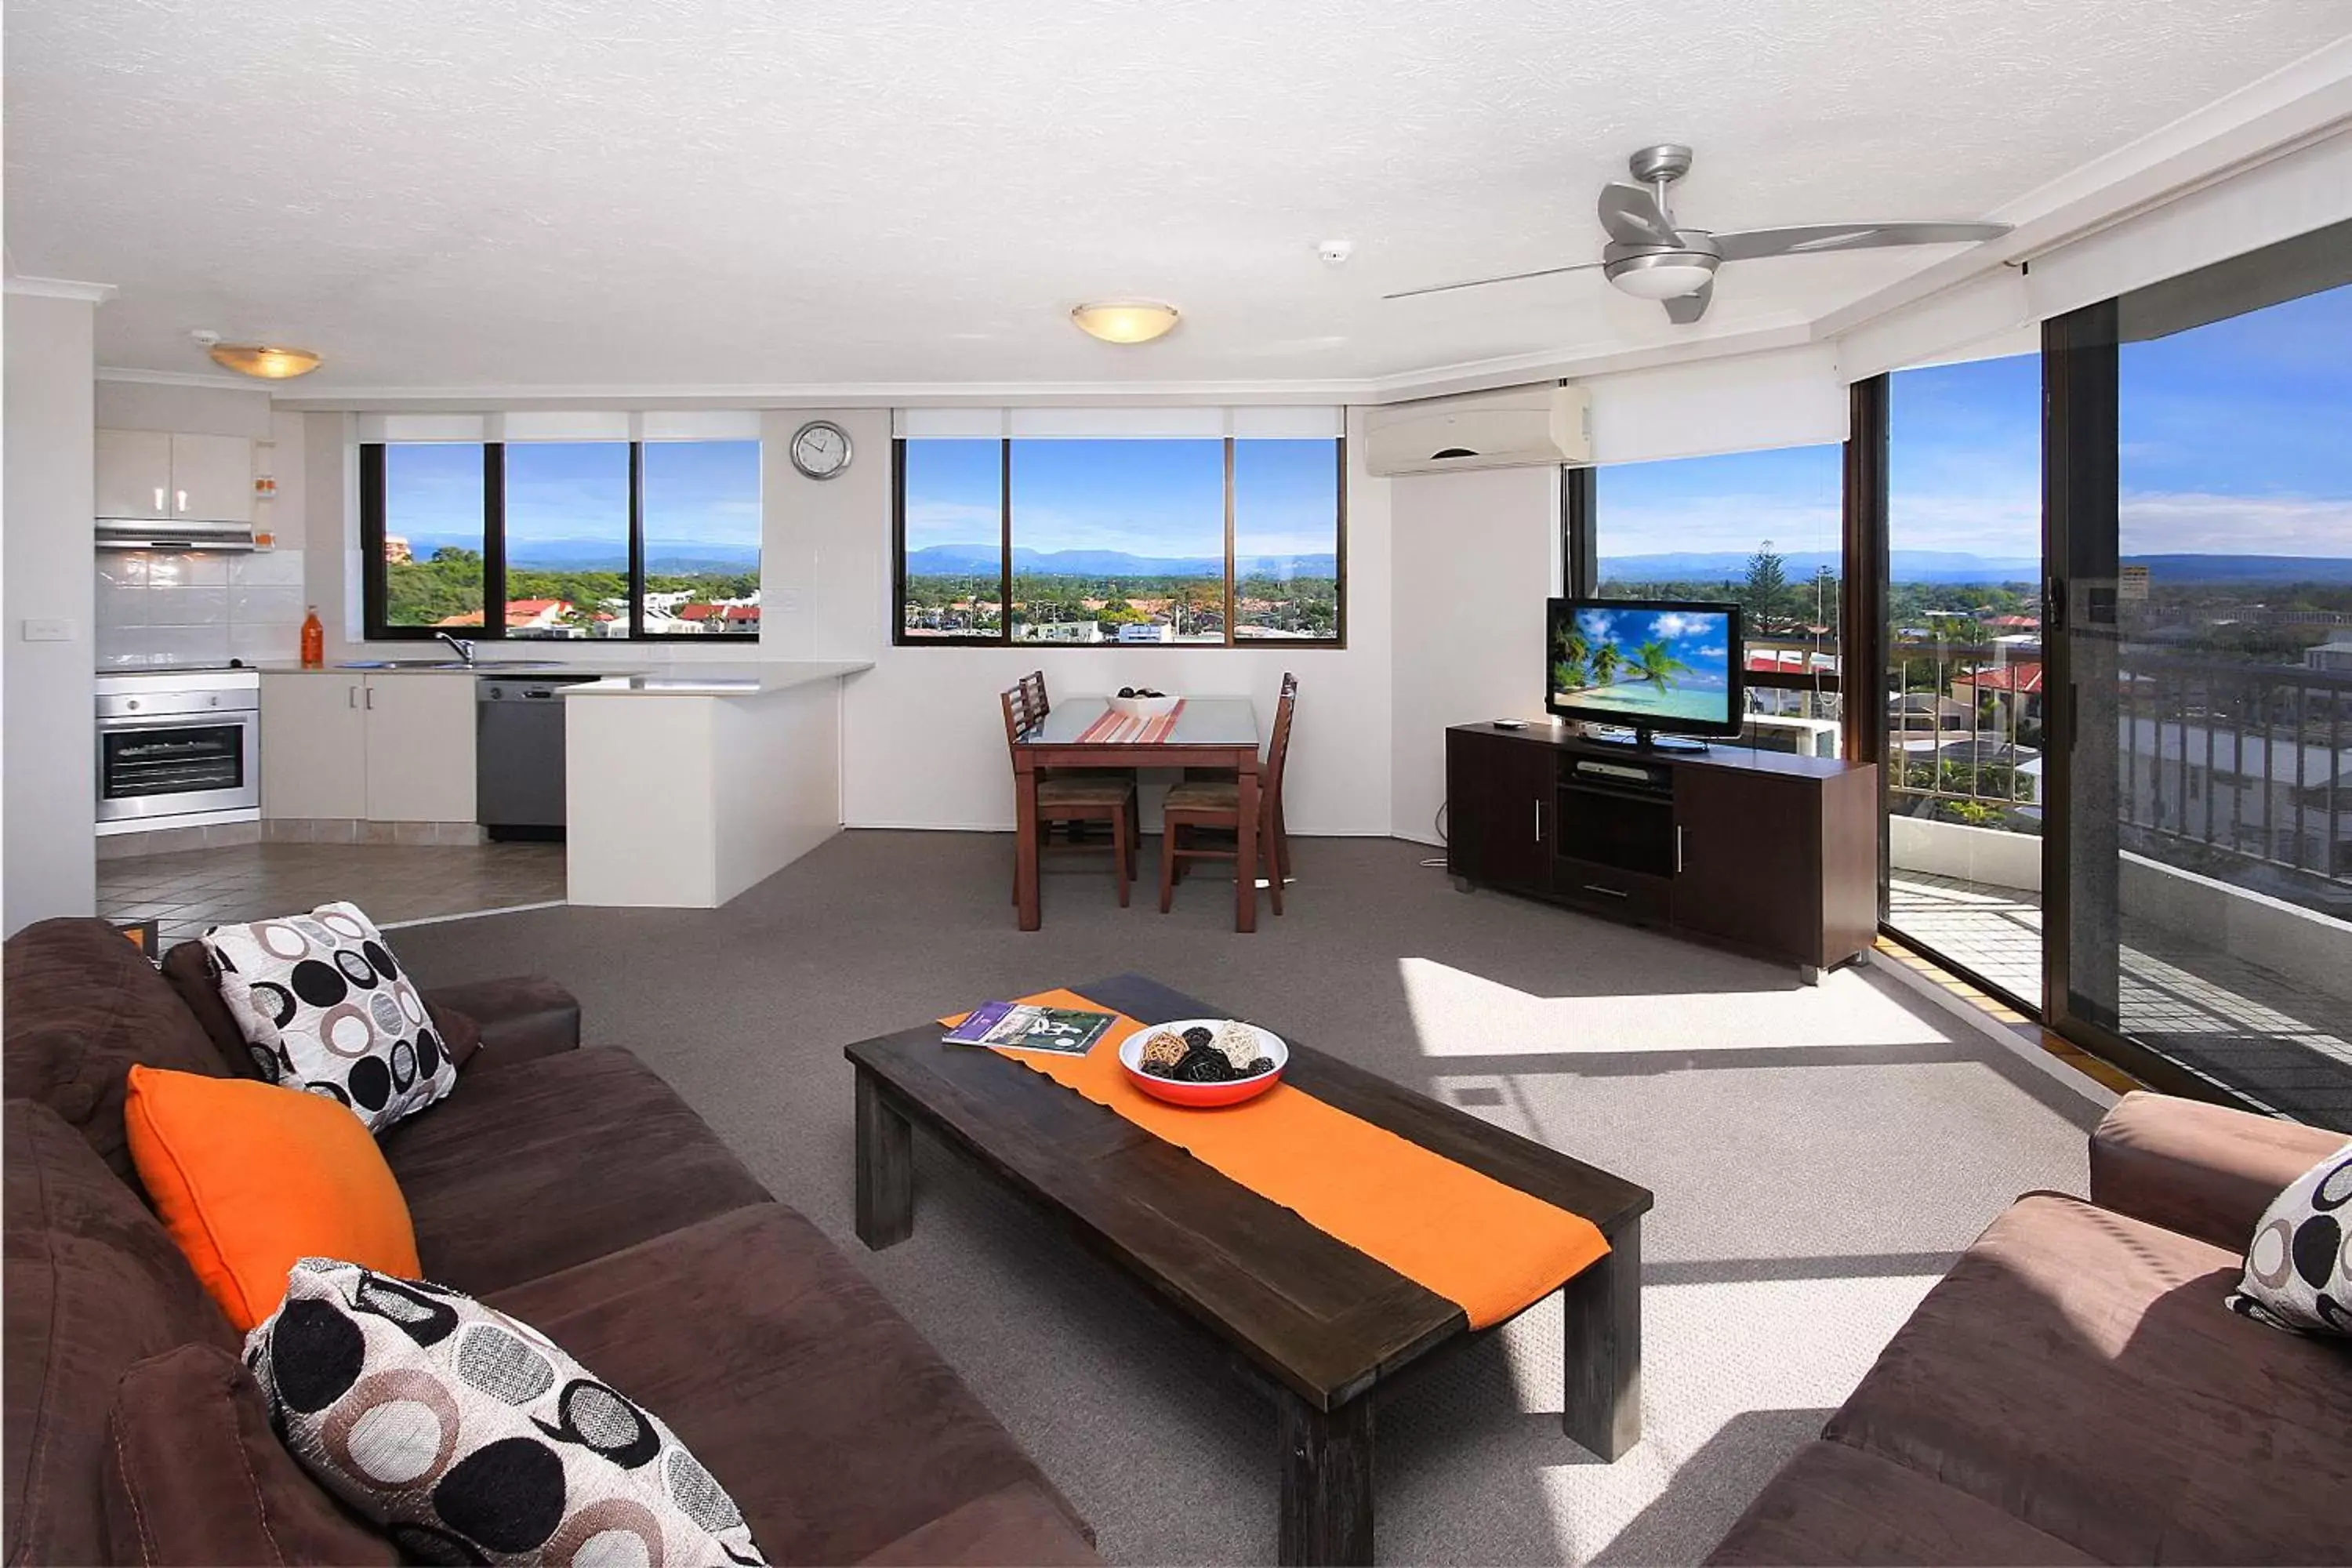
(1118, 729)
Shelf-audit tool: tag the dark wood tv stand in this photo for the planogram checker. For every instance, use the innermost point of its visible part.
(1767, 852)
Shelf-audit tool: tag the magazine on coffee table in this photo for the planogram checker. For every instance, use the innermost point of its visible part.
(1025, 1027)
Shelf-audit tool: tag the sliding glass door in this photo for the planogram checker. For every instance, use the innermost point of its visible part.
(1964, 678)
(2201, 525)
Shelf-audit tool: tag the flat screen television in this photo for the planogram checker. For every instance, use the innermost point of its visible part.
(1652, 667)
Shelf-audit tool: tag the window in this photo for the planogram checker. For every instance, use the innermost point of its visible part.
(429, 533)
(567, 538)
(1287, 502)
(1964, 672)
(576, 539)
(1762, 528)
(700, 501)
(1054, 540)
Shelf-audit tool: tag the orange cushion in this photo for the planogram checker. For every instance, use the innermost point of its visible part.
(249, 1177)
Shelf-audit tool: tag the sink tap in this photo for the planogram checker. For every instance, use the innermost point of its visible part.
(465, 649)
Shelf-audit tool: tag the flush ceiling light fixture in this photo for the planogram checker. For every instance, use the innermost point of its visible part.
(1128, 321)
(267, 361)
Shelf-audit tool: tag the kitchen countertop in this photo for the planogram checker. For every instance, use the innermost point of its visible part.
(758, 680)
(742, 679)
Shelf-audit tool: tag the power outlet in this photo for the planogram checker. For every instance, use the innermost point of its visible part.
(48, 628)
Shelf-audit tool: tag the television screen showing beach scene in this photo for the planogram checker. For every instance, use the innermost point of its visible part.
(1656, 666)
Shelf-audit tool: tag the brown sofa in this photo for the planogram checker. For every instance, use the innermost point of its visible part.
(2074, 1392)
(568, 1186)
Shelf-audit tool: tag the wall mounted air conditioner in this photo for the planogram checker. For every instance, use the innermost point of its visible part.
(1522, 427)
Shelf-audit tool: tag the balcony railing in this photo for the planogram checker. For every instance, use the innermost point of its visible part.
(2239, 771)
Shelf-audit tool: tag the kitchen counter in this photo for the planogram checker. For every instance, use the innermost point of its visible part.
(758, 680)
(710, 777)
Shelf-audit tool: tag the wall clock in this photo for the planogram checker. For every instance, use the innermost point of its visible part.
(821, 449)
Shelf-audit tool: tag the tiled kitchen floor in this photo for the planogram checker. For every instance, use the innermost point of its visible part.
(188, 891)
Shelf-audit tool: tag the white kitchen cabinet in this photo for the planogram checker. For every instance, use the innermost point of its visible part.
(347, 745)
(420, 748)
(189, 478)
(134, 473)
(212, 479)
(314, 744)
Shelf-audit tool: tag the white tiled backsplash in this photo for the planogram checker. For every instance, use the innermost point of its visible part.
(157, 609)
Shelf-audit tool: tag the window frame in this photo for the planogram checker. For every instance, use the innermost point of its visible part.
(375, 579)
(1003, 636)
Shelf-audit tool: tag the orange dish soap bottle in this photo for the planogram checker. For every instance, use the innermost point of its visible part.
(314, 640)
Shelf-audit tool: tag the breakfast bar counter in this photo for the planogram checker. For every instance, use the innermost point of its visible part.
(688, 784)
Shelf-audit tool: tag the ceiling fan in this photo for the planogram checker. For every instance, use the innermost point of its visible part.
(1650, 258)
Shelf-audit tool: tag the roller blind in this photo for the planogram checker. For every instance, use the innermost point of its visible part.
(1792, 397)
(1307, 422)
(567, 424)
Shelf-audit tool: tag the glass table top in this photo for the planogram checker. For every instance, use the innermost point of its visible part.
(1202, 721)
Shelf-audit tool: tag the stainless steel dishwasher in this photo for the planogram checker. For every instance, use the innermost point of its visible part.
(519, 753)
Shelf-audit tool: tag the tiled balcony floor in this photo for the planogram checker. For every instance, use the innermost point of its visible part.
(190, 890)
(2283, 1042)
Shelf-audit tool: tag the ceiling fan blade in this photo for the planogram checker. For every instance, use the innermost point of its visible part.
(1688, 308)
(1482, 282)
(1632, 215)
(1809, 240)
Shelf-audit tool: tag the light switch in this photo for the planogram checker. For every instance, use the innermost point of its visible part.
(48, 628)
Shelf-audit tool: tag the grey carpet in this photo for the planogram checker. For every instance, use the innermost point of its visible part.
(1819, 1157)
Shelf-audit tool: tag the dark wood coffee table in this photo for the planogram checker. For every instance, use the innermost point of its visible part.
(1318, 1324)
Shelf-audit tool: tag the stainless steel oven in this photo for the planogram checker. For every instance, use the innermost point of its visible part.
(173, 744)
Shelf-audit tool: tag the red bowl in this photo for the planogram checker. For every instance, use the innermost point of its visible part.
(1203, 1095)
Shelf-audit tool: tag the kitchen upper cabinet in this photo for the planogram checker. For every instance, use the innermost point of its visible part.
(186, 479)
(379, 748)
(212, 479)
(134, 473)
(420, 748)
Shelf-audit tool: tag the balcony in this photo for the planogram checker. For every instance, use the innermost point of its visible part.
(2234, 953)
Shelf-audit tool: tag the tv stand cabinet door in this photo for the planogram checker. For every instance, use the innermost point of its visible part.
(1499, 793)
(1749, 859)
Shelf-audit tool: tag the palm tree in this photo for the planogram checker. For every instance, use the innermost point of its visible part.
(1606, 662)
(1658, 666)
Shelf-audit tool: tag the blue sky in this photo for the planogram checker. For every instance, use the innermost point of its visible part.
(1159, 498)
(1698, 640)
(2236, 440)
(697, 492)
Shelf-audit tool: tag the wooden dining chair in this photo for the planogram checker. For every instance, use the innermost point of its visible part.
(1109, 799)
(1216, 803)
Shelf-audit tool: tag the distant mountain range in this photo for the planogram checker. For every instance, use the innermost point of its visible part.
(2245, 568)
(1959, 567)
(964, 560)
(1731, 567)
(684, 558)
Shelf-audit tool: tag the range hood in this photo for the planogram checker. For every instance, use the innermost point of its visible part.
(171, 534)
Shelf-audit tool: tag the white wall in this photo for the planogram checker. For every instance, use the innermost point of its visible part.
(45, 527)
(923, 741)
(1473, 557)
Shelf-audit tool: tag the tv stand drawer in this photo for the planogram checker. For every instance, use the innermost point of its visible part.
(1627, 894)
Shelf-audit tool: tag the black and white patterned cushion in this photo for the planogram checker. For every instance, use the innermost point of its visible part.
(471, 1439)
(2299, 1268)
(325, 1006)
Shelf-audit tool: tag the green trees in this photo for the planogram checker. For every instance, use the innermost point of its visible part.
(1606, 661)
(1655, 663)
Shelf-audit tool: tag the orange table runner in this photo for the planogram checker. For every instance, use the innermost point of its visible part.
(1115, 728)
(1460, 1233)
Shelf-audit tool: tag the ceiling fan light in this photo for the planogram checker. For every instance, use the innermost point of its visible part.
(1661, 278)
(261, 359)
(1128, 321)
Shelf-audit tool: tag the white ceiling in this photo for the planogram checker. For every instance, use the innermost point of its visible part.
(720, 194)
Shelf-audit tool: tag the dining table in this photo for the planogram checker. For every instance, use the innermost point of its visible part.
(1084, 732)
